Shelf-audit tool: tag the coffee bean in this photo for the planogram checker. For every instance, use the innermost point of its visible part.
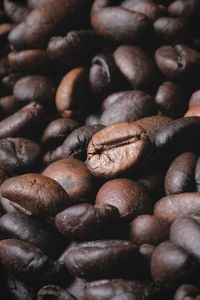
(193, 111)
(137, 66)
(130, 198)
(102, 259)
(16, 10)
(18, 155)
(180, 175)
(171, 207)
(16, 37)
(148, 229)
(35, 194)
(74, 177)
(110, 147)
(181, 8)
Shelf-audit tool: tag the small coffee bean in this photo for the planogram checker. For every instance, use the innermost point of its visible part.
(137, 66)
(148, 229)
(35, 88)
(180, 175)
(171, 207)
(102, 259)
(18, 155)
(116, 149)
(130, 198)
(74, 177)
(130, 107)
(35, 194)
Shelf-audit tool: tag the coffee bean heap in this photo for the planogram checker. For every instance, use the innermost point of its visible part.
(99, 149)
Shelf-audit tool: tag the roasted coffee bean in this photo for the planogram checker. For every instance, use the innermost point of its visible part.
(171, 30)
(180, 175)
(74, 49)
(195, 98)
(28, 262)
(35, 88)
(86, 222)
(18, 155)
(147, 8)
(187, 291)
(172, 137)
(116, 149)
(129, 107)
(170, 265)
(35, 194)
(22, 122)
(171, 207)
(177, 61)
(121, 25)
(137, 66)
(197, 175)
(74, 177)
(16, 37)
(75, 145)
(102, 259)
(148, 229)
(30, 61)
(54, 292)
(185, 233)
(130, 198)
(170, 99)
(119, 289)
(34, 231)
(9, 105)
(16, 10)
(73, 93)
(57, 131)
(182, 8)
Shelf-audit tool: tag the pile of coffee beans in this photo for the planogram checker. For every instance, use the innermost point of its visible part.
(99, 149)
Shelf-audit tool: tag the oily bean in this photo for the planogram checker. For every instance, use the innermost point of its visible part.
(102, 259)
(9, 105)
(104, 76)
(193, 111)
(197, 175)
(53, 292)
(74, 177)
(170, 99)
(34, 231)
(30, 61)
(195, 98)
(171, 207)
(130, 107)
(35, 194)
(130, 198)
(171, 30)
(121, 25)
(180, 175)
(187, 9)
(57, 131)
(73, 93)
(15, 10)
(86, 222)
(74, 49)
(22, 122)
(109, 149)
(176, 62)
(18, 155)
(137, 67)
(28, 262)
(172, 137)
(75, 145)
(187, 291)
(118, 289)
(35, 88)
(153, 124)
(185, 233)
(16, 37)
(170, 265)
(51, 19)
(147, 8)
(19, 290)
(148, 229)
